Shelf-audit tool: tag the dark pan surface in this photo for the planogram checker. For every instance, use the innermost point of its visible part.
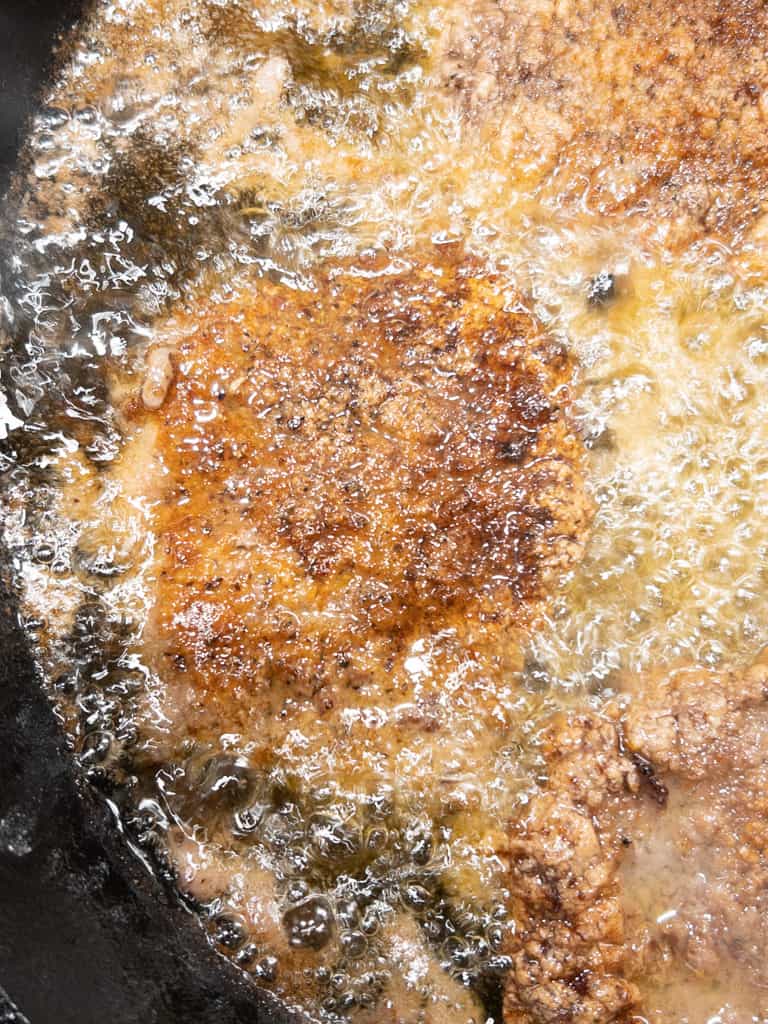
(86, 933)
(28, 31)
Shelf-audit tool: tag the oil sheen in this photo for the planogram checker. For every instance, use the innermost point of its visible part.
(198, 166)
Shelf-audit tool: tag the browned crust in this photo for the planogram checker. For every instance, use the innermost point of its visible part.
(351, 467)
(581, 950)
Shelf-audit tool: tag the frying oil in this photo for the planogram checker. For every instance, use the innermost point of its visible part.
(196, 147)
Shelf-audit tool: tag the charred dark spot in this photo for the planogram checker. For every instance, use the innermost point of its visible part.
(751, 90)
(658, 790)
(580, 982)
(517, 446)
(540, 516)
(147, 169)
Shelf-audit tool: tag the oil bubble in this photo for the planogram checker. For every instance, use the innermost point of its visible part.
(353, 944)
(310, 924)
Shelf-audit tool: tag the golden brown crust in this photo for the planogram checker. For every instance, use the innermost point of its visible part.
(354, 467)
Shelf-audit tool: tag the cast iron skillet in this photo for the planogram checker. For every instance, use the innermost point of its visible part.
(86, 933)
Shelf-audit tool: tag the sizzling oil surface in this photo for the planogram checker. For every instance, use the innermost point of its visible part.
(191, 153)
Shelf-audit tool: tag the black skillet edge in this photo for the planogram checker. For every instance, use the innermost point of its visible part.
(86, 933)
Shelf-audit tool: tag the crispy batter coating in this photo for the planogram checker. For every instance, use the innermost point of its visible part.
(662, 800)
(648, 107)
(351, 469)
(568, 951)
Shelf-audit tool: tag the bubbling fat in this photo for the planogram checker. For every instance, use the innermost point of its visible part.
(327, 753)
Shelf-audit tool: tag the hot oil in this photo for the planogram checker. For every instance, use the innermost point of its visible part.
(673, 898)
(195, 149)
(673, 409)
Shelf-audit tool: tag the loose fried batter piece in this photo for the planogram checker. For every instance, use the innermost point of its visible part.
(647, 107)
(671, 788)
(352, 469)
(568, 952)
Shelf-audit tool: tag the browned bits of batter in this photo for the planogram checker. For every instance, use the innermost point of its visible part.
(644, 106)
(597, 859)
(383, 457)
